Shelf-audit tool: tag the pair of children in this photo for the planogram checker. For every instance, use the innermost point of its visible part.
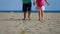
(40, 7)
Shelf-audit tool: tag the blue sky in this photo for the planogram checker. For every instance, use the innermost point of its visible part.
(16, 5)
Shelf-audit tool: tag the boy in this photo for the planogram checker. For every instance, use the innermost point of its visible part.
(27, 7)
(40, 7)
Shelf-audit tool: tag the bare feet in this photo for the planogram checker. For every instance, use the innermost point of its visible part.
(29, 18)
(24, 19)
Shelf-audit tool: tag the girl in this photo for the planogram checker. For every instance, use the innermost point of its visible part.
(40, 7)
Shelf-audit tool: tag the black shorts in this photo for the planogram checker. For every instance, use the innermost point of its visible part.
(26, 7)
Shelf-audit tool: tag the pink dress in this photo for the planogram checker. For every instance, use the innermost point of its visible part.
(40, 3)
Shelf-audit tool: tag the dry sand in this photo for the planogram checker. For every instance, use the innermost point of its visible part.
(51, 25)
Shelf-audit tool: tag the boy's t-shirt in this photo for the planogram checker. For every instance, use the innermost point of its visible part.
(26, 1)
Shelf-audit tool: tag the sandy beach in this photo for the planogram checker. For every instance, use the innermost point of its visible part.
(12, 23)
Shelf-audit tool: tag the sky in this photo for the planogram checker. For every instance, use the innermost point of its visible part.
(16, 5)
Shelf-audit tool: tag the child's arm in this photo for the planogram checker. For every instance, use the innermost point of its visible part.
(34, 2)
(46, 2)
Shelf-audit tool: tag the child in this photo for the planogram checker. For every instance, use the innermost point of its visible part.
(40, 7)
(27, 7)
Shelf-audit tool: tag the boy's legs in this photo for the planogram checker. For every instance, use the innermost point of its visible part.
(29, 11)
(24, 15)
(24, 11)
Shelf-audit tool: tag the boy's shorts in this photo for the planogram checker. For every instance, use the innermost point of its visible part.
(26, 7)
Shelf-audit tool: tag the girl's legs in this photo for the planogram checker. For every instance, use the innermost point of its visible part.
(39, 13)
(42, 14)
